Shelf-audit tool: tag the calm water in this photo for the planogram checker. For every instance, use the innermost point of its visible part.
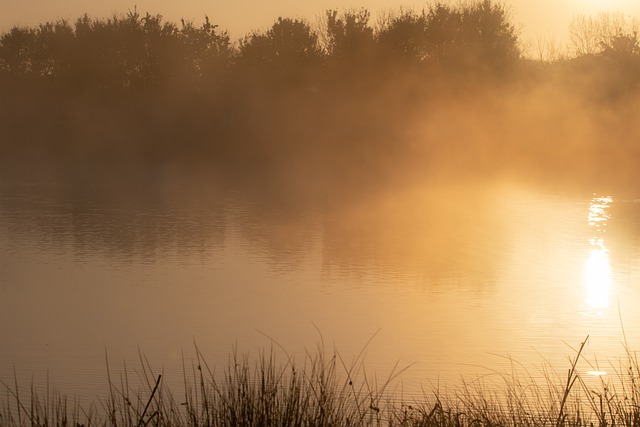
(453, 281)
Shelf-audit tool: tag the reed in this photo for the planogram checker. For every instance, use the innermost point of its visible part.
(323, 389)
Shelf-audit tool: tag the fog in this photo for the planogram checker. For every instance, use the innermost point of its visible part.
(344, 113)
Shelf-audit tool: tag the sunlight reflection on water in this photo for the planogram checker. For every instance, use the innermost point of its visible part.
(457, 283)
(597, 269)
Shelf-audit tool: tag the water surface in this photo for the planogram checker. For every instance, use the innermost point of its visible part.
(455, 281)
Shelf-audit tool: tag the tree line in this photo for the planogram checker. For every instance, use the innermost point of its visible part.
(137, 85)
(140, 52)
(143, 52)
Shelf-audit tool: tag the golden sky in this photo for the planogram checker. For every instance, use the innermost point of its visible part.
(535, 18)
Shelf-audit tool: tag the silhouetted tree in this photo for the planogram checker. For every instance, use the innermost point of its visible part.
(623, 56)
(204, 55)
(287, 53)
(584, 36)
(127, 53)
(548, 49)
(607, 55)
(150, 86)
(16, 51)
(157, 40)
(622, 46)
(55, 42)
(107, 54)
(37, 52)
(590, 35)
(472, 36)
(402, 37)
(348, 36)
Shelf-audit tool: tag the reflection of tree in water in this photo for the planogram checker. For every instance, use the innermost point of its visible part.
(279, 231)
(427, 233)
(124, 223)
(431, 234)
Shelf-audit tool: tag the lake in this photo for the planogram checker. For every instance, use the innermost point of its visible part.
(451, 281)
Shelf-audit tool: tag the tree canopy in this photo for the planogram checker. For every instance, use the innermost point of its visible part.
(137, 83)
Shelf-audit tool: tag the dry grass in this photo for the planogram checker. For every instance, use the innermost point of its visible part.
(324, 390)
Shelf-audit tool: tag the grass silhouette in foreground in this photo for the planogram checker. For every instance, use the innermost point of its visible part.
(326, 391)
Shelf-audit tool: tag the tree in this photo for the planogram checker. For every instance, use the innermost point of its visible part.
(606, 63)
(123, 53)
(622, 46)
(16, 51)
(38, 53)
(288, 52)
(108, 55)
(402, 37)
(472, 36)
(548, 49)
(584, 35)
(348, 36)
(612, 42)
(605, 32)
(204, 54)
(53, 45)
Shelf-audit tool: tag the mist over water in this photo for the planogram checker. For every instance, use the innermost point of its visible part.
(162, 185)
(450, 281)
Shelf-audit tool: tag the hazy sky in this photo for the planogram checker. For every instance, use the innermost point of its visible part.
(535, 18)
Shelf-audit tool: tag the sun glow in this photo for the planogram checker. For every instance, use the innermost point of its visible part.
(603, 3)
(597, 269)
(593, 6)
